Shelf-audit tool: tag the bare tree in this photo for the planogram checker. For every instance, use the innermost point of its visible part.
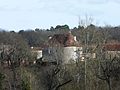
(14, 54)
(109, 70)
(54, 76)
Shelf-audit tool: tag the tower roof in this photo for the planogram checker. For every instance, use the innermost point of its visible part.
(63, 40)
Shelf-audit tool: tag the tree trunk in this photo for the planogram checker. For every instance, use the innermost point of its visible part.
(109, 84)
(14, 75)
(59, 86)
(14, 79)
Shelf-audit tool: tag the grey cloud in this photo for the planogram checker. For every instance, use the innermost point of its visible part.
(101, 1)
(117, 1)
(8, 9)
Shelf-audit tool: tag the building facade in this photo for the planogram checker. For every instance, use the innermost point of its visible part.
(62, 48)
(37, 51)
(112, 50)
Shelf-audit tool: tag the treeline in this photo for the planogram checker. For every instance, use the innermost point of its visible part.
(92, 74)
(38, 36)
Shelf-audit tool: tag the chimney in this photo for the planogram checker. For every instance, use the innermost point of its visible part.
(69, 32)
(49, 37)
(31, 47)
(75, 38)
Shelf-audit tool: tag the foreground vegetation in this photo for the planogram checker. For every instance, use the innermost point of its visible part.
(92, 74)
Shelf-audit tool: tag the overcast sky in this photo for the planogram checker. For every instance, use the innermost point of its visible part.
(31, 14)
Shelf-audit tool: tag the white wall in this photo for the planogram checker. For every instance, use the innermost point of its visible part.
(64, 54)
(71, 54)
(39, 53)
(112, 54)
